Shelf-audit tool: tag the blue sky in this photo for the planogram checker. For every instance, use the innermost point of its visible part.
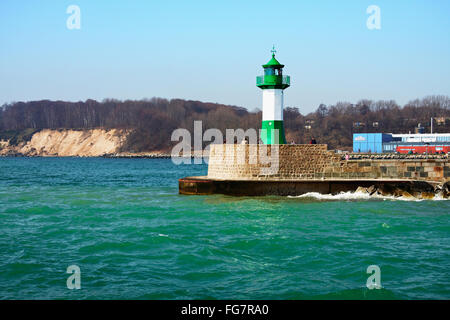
(213, 50)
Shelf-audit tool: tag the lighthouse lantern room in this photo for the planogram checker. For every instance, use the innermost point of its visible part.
(272, 83)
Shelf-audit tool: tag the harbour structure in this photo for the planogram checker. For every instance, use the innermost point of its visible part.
(239, 169)
(401, 143)
(272, 83)
(310, 168)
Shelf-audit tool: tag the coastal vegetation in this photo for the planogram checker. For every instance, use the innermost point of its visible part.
(152, 121)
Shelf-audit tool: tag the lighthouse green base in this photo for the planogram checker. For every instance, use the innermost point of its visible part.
(268, 132)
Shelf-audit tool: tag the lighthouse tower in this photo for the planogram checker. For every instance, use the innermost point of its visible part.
(272, 84)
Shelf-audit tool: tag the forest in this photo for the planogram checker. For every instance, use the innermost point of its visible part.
(153, 120)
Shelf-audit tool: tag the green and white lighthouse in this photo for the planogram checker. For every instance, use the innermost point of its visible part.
(272, 83)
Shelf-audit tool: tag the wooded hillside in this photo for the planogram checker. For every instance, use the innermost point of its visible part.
(154, 120)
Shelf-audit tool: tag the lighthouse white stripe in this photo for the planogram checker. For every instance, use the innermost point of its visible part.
(272, 104)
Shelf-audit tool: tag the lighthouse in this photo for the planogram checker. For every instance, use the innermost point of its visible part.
(272, 83)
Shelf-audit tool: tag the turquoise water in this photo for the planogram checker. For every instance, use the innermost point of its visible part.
(133, 237)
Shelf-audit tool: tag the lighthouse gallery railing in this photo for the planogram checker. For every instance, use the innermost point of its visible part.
(273, 80)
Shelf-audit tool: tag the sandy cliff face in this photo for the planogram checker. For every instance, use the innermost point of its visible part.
(65, 143)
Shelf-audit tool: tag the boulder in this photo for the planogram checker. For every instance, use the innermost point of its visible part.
(372, 189)
(407, 195)
(361, 190)
(386, 190)
(427, 195)
(446, 187)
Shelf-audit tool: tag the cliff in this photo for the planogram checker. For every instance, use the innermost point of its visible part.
(68, 142)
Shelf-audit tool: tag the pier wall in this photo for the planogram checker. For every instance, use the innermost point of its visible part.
(312, 162)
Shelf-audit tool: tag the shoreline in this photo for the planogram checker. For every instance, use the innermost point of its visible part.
(108, 156)
(159, 155)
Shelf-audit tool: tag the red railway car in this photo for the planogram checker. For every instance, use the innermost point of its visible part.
(420, 149)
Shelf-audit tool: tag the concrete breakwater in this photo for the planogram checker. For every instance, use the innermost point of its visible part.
(299, 169)
(153, 155)
(149, 155)
(406, 189)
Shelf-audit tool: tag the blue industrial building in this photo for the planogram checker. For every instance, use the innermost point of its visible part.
(370, 142)
(387, 142)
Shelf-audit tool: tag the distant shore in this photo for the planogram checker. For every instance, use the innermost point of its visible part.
(164, 155)
(109, 156)
(146, 156)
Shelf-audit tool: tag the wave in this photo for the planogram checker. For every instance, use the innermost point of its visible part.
(359, 196)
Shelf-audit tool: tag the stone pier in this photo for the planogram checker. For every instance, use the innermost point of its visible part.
(243, 169)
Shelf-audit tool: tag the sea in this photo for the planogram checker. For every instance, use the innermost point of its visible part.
(118, 229)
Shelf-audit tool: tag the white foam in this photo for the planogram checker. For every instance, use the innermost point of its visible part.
(357, 196)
